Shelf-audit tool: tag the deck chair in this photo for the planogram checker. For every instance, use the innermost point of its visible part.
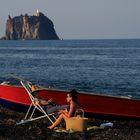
(34, 106)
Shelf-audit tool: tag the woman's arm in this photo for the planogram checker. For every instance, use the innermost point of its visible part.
(70, 112)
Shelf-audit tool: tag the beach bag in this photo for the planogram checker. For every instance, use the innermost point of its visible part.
(76, 124)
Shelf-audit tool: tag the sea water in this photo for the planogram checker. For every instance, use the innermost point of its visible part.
(109, 67)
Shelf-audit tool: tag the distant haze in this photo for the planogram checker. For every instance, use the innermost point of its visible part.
(81, 19)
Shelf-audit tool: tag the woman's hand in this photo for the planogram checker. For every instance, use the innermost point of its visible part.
(63, 111)
(66, 110)
(60, 112)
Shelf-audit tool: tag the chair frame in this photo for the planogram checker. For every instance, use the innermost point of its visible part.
(33, 107)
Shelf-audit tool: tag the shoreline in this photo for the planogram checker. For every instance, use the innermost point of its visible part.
(122, 129)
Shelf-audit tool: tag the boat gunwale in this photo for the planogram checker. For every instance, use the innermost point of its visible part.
(81, 92)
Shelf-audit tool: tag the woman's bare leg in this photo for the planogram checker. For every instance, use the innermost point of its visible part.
(60, 118)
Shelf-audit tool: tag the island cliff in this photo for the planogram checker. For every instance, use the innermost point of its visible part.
(36, 27)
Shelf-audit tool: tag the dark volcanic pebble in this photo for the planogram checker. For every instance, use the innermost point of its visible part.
(37, 130)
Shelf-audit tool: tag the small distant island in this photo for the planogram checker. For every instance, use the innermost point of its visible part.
(25, 27)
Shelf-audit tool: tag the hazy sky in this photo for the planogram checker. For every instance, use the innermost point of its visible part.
(81, 19)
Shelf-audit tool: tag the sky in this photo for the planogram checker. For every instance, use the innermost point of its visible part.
(81, 19)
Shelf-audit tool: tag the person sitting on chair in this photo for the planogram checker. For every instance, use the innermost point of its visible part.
(43, 101)
(38, 100)
(49, 105)
(64, 114)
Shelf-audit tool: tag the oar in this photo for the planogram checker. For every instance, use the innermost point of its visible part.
(18, 77)
(22, 79)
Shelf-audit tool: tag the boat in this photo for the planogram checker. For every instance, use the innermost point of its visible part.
(16, 98)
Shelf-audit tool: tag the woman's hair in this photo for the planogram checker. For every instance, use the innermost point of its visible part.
(74, 94)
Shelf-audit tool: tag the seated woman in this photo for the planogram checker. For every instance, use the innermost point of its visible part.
(64, 114)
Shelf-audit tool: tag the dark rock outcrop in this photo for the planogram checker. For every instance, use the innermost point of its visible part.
(36, 27)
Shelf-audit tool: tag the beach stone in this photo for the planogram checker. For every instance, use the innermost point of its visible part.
(37, 130)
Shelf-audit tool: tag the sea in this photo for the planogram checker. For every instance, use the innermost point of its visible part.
(107, 67)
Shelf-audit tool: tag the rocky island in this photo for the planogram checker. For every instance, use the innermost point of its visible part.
(36, 27)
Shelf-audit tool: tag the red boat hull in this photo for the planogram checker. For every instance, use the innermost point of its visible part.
(16, 97)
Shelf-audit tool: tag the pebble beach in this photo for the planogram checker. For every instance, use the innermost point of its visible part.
(37, 130)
